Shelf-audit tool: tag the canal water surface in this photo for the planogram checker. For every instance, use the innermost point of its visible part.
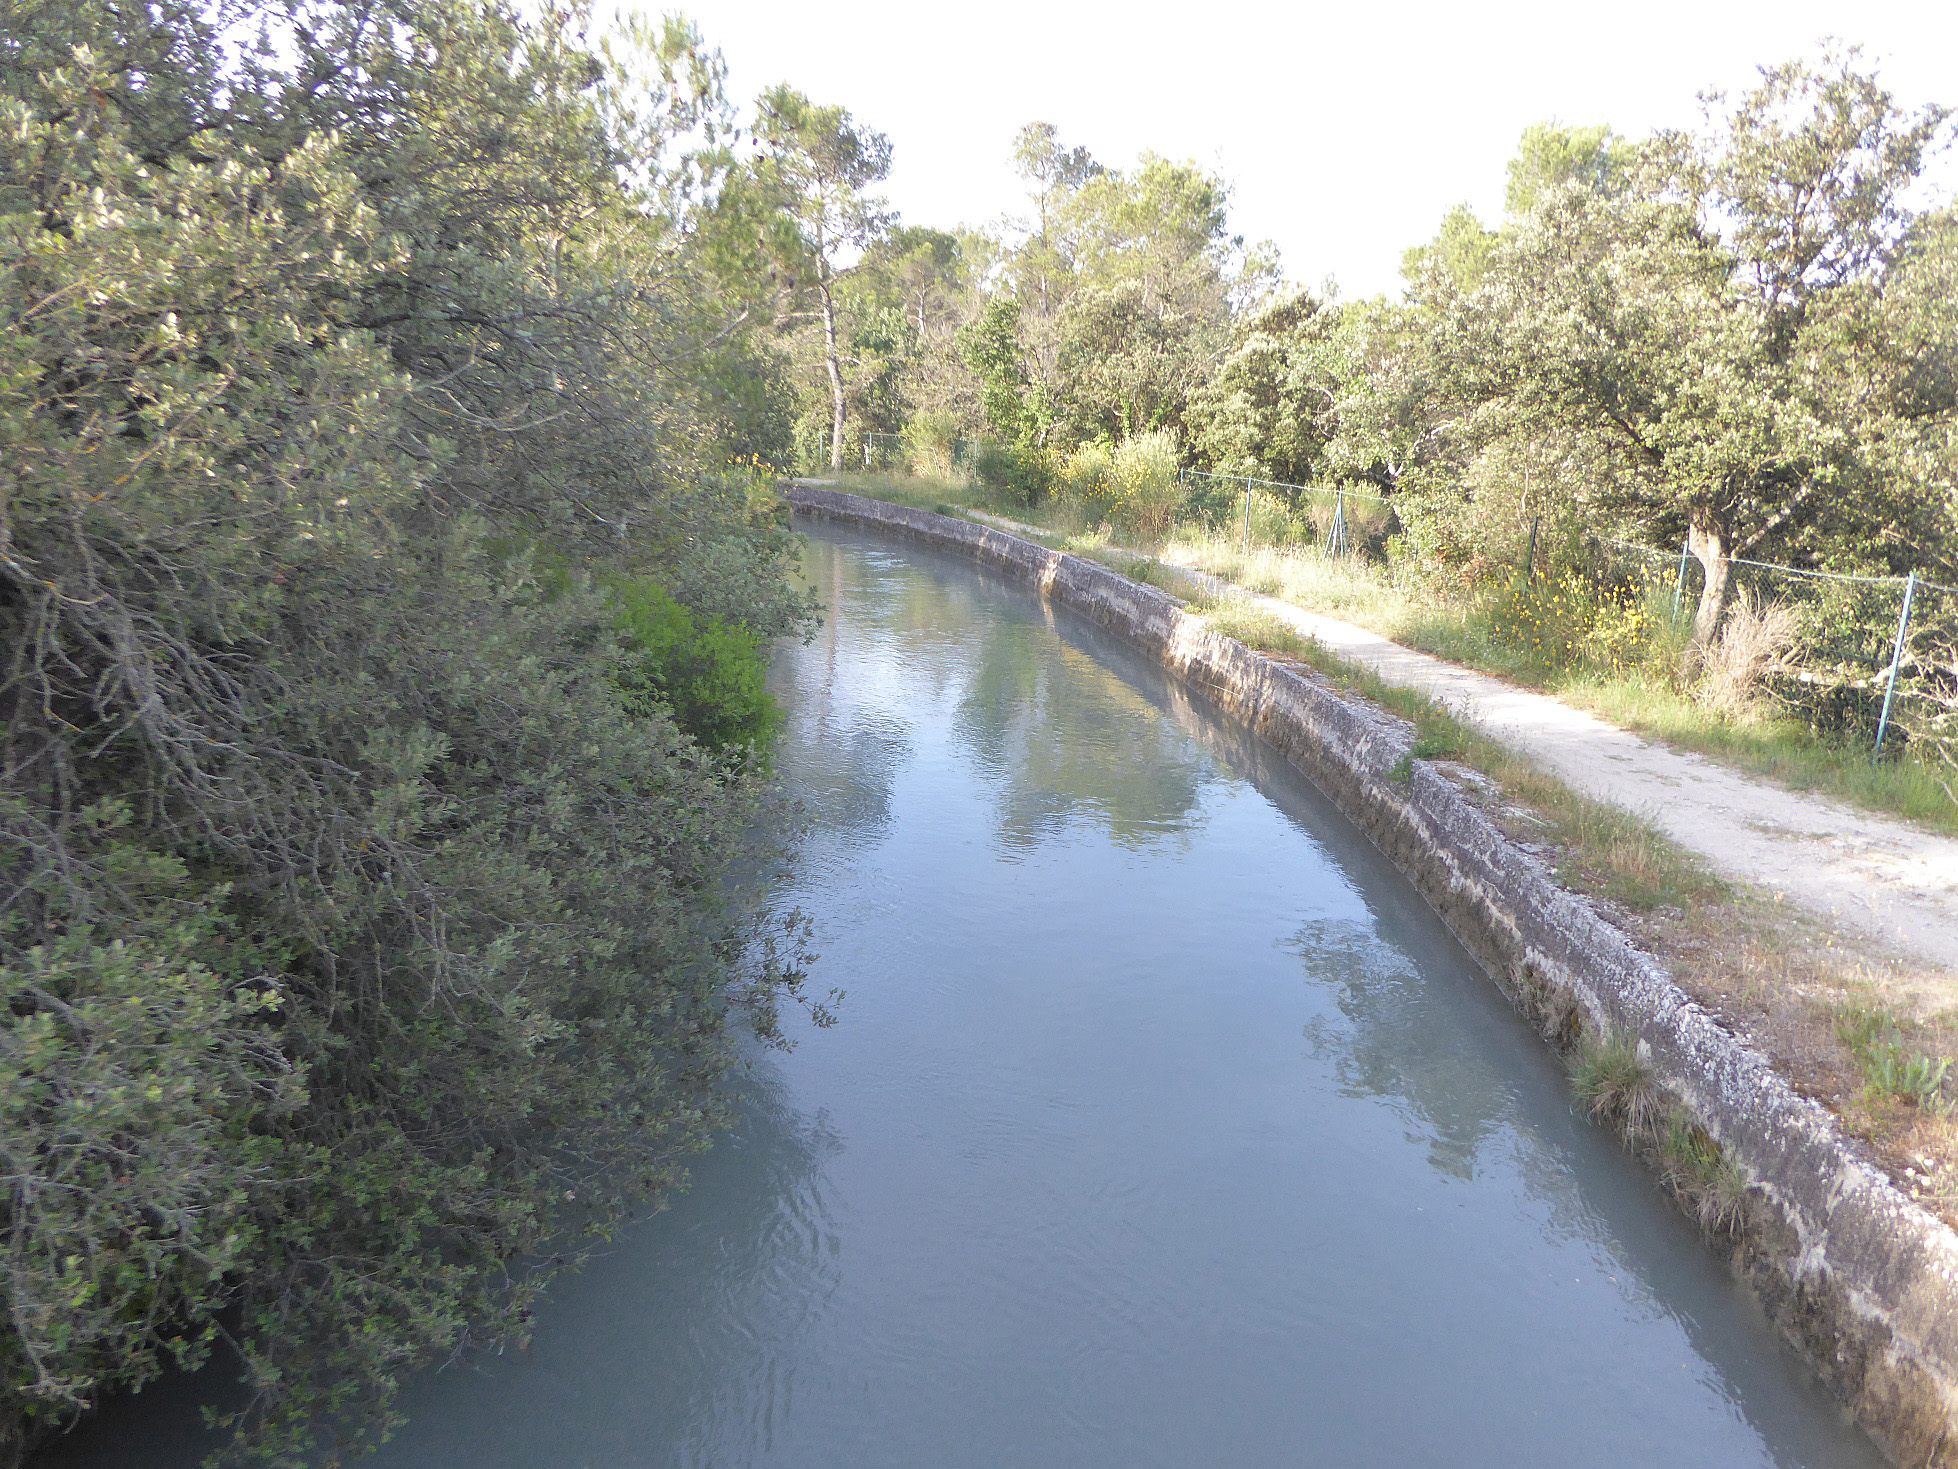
(1164, 1126)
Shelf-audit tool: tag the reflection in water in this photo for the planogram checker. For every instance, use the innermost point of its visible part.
(1164, 1127)
(1390, 1045)
(1110, 758)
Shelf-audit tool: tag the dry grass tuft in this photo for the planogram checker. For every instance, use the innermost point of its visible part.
(1615, 1085)
(1702, 1176)
(1755, 643)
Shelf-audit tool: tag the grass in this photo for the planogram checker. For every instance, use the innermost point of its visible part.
(1135, 565)
(1616, 1087)
(1705, 1180)
(1877, 1039)
(1636, 697)
(1613, 1082)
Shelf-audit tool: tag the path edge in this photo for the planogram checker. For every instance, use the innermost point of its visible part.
(1863, 1281)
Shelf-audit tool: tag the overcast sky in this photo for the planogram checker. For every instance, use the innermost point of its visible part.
(1346, 132)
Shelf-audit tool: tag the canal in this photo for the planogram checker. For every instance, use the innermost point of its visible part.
(1164, 1126)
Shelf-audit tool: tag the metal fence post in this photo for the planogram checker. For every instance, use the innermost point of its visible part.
(1529, 567)
(1247, 515)
(1679, 581)
(1896, 658)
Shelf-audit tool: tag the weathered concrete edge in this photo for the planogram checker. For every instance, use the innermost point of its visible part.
(1861, 1279)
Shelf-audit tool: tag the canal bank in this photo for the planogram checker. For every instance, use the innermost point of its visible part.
(1861, 1279)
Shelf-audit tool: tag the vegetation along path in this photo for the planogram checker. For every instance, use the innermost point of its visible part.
(1882, 879)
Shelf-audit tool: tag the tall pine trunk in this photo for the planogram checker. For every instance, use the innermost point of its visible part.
(835, 368)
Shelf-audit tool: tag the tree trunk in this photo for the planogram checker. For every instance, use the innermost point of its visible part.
(835, 367)
(1709, 546)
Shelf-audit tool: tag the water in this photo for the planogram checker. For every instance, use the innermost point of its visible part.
(1164, 1127)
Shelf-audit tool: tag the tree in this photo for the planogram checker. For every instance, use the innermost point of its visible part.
(1270, 407)
(1720, 340)
(823, 163)
(1143, 309)
(361, 856)
(1054, 174)
(920, 270)
(990, 347)
(1550, 157)
(1459, 252)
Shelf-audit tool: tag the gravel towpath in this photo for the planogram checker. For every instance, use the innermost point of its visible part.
(1866, 874)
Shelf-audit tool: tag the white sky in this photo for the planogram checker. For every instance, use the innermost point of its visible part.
(1346, 132)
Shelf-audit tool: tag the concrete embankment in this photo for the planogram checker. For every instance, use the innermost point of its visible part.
(1853, 1272)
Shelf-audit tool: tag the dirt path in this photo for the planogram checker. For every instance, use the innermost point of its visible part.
(1869, 875)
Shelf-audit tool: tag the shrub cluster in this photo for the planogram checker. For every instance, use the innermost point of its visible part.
(1589, 618)
(1134, 486)
(381, 701)
(1020, 475)
(931, 443)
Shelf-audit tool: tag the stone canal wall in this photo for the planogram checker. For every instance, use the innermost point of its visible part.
(1861, 1279)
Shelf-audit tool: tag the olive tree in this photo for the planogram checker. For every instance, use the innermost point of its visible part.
(1729, 326)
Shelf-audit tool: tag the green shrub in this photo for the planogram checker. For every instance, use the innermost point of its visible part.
(1274, 522)
(1086, 482)
(132, 1078)
(1147, 493)
(711, 676)
(1018, 476)
(1889, 1066)
(930, 444)
(1574, 617)
(354, 913)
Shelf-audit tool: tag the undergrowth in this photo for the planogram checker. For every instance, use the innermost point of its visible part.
(1891, 1067)
(1588, 663)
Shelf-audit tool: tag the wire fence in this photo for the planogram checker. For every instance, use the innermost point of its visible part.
(1855, 656)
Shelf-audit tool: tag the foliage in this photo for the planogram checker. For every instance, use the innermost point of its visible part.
(360, 897)
(1458, 257)
(990, 347)
(1086, 480)
(818, 170)
(1725, 343)
(1589, 618)
(1020, 474)
(1133, 486)
(126, 1091)
(1144, 487)
(1550, 158)
(930, 445)
(1889, 1065)
(1267, 410)
(708, 675)
(1146, 305)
